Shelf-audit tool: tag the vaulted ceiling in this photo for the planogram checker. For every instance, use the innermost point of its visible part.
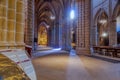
(44, 9)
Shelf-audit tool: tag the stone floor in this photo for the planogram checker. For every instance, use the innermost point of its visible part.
(74, 67)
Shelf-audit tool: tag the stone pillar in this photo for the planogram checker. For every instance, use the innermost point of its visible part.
(12, 24)
(94, 36)
(64, 36)
(57, 35)
(68, 37)
(29, 22)
(53, 36)
(83, 33)
(60, 35)
(112, 33)
(50, 37)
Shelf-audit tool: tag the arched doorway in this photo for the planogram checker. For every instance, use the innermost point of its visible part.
(102, 30)
(42, 36)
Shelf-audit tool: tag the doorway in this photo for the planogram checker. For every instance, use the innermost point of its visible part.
(42, 36)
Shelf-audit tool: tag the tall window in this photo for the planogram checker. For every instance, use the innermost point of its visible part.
(102, 30)
(118, 29)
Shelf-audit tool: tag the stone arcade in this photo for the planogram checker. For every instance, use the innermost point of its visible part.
(71, 27)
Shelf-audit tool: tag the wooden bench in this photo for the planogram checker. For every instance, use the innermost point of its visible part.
(107, 50)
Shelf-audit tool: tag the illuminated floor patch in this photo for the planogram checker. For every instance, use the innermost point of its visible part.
(74, 67)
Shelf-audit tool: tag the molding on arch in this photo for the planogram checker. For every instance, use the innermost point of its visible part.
(98, 13)
(116, 11)
(43, 24)
(48, 6)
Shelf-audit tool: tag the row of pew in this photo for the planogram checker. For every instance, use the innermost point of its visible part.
(107, 50)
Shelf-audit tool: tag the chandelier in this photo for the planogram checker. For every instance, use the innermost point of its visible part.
(103, 18)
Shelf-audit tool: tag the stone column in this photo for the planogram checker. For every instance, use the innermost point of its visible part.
(29, 30)
(60, 35)
(83, 33)
(66, 36)
(53, 36)
(57, 35)
(49, 37)
(94, 36)
(112, 33)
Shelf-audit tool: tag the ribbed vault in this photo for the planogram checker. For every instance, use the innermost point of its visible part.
(47, 8)
(55, 14)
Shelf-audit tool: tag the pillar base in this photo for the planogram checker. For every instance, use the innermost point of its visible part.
(83, 51)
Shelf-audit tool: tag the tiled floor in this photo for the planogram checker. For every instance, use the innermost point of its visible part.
(74, 67)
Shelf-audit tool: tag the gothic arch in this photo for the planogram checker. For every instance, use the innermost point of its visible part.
(101, 28)
(116, 10)
(116, 21)
(43, 34)
(98, 13)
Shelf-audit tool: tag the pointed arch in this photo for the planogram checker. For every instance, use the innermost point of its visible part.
(43, 34)
(98, 13)
(116, 10)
